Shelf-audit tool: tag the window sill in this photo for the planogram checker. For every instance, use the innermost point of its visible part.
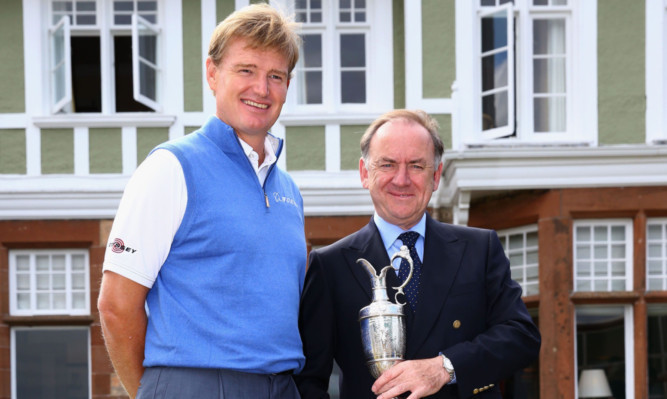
(50, 320)
(616, 297)
(135, 119)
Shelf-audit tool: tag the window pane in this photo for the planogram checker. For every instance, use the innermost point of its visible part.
(494, 71)
(359, 17)
(147, 76)
(353, 87)
(58, 262)
(312, 50)
(548, 36)
(345, 17)
(494, 32)
(78, 281)
(23, 281)
(123, 6)
(43, 282)
(313, 81)
(62, 6)
(654, 267)
(494, 110)
(549, 114)
(23, 301)
(58, 281)
(654, 232)
(43, 301)
(122, 19)
(549, 75)
(583, 269)
(583, 234)
(78, 262)
(78, 300)
(85, 20)
(148, 47)
(147, 6)
(85, 6)
(655, 250)
(57, 359)
(352, 50)
(583, 252)
(22, 263)
(540, 2)
(657, 355)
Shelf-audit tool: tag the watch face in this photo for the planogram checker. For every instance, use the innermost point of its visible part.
(447, 364)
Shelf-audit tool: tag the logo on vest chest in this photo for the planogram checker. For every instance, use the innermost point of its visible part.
(282, 199)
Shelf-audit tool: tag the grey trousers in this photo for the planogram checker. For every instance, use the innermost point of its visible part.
(194, 383)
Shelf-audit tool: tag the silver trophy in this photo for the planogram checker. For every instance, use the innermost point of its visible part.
(382, 322)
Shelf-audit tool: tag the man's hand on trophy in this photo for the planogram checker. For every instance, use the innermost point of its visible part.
(419, 377)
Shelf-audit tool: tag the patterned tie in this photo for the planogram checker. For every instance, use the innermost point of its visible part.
(409, 239)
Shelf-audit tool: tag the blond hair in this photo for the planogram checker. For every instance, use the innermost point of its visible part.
(263, 27)
(417, 116)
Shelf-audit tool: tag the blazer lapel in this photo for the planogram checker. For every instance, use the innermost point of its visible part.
(368, 245)
(443, 255)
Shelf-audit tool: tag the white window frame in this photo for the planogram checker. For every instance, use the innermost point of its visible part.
(656, 71)
(107, 30)
(629, 239)
(500, 131)
(379, 64)
(629, 340)
(504, 236)
(66, 63)
(13, 354)
(662, 222)
(581, 76)
(33, 311)
(138, 22)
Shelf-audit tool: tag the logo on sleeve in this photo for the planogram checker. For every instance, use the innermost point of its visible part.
(118, 246)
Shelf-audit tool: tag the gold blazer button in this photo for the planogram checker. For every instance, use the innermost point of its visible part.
(456, 324)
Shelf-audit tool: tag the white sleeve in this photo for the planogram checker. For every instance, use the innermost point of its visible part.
(149, 214)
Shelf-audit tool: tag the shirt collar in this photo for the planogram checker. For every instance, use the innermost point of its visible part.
(390, 232)
(270, 147)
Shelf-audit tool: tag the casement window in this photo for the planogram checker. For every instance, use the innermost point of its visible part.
(50, 362)
(521, 248)
(538, 60)
(521, 75)
(104, 56)
(49, 282)
(342, 42)
(603, 255)
(656, 255)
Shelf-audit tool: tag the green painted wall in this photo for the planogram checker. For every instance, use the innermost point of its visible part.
(399, 53)
(57, 151)
(305, 148)
(350, 149)
(223, 8)
(148, 138)
(445, 122)
(189, 129)
(12, 151)
(12, 94)
(192, 56)
(105, 150)
(438, 48)
(621, 72)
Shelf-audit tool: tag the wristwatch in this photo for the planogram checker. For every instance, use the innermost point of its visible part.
(447, 364)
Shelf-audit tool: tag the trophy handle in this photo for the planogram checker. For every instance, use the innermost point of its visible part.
(405, 254)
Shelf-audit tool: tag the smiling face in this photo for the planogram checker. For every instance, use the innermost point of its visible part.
(250, 87)
(400, 174)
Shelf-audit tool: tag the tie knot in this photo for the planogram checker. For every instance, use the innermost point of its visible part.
(409, 238)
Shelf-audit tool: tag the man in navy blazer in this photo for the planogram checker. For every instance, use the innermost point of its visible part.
(469, 329)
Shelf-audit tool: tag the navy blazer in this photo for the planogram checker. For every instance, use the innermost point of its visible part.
(469, 308)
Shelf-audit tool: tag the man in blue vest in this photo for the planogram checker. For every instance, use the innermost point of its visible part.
(206, 258)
